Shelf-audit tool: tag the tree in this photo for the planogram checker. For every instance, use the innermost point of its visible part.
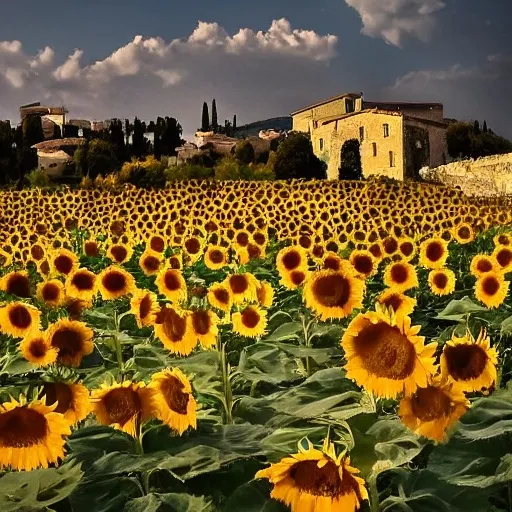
(244, 152)
(140, 145)
(459, 139)
(476, 128)
(485, 126)
(96, 157)
(350, 168)
(205, 121)
(295, 159)
(215, 125)
(32, 130)
(234, 123)
(31, 133)
(7, 153)
(115, 135)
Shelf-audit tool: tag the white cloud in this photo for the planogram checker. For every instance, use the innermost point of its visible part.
(70, 69)
(16, 77)
(392, 20)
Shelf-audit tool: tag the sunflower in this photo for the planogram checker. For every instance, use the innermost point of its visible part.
(432, 410)
(333, 294)
(81, 284)
(441, 281)
(19, 320)
(63, 261)
(406, 248)
(72, 400)
(401, 304)
(72, 339)
(503, 255)
(463, 233)
(175, 331)
(265, 294)
(376, 250)
(215, 257)
(243, 287)
(144, 306)
(401, 276)
(176, 261)
(32, 435)
(193, 248)
(36, 349)
(482, 264)
(332, 261)
(171, 400)
(120, 253)
(51, 293)
(219, 296)
(291, 258)
(250, 322)
(16, 283)
(433, 253)
(503, 239)
(172, 285)
(316, 481)
(364, 263)
(470, 364)
(75, 307)
(150, 262)
(92, 248)
(115, 282)
(385, 355)
(121, 405)
(491, 289)
(294, 279)
(204, 324)
(156, 243)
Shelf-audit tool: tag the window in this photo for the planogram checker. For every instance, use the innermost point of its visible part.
(391, 159)
(52, 165)
(361, 133)
(386, 130)
(349, 106)
(374, 149)
(321, 143)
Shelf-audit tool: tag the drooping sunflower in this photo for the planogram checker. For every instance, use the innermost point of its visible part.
(333, 294)
(265, 294)
(503, 255)
(72, 400)
(432, 410)
(364, 263)
(215, 257)
(115, 282)
(433, 253)
(16, 283)
(63, 261)
(19, 320)
(441, 281)
(175, 331)
(72, 339)
(144, 306)
(171, 400)
(463, 233)
(219, 296)
(121, 405)
(316, 481)
(482, 264)
(470, 364)
(291, 258)
(401, 304)
(385, 355)
(38, 350)
(243, 287)
(491, 289)
(172, 285)
(81, 284)
(150, 262)
(401, 276)
(250, 322)
(204, 323)
(32, 435)
(120, 253)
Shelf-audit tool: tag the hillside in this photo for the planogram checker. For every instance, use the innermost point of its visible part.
(276, 123)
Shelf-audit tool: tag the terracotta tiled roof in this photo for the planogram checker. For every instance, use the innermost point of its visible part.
(328, 100)
(327, 120)
(391, 105)
(57, 144)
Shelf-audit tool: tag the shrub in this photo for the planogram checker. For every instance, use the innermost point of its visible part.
(244, 152)
(188, 171)
(38, 179)
(148, 173)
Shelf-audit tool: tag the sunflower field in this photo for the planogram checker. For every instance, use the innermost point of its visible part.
(255, 347)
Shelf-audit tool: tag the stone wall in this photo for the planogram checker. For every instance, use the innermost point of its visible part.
(487, 176)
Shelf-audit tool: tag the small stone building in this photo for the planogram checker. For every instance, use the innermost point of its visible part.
(54, 156)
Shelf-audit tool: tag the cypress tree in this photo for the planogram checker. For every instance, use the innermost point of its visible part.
(476, 128)
(485, 127)
(205, 121)
(234, 123)
(214, 116)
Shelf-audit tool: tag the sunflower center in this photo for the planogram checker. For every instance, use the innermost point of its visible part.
(376, 250)
(393, 301)
(465, 362)
(297, 277)
(83, 281)
(385, 351)
(122, 404)
(151, 263)
(390, 245)
(434, 251)
(464, 233)
(332, 290)
(221, 295)
(305, 241)
(318, 251)
(172, 390)
(484, 266)
(114, 281)
(157, 244)
(440, 280)
(171, 281)
(145, 306)
(324, 481)
(37, 252)
(60, 393)
(216, 256)
(406, 248)
(50, 292)
(250, 318)
(291, 260)
(19, 316)
(238, 283)
(254, 251)
(504, 257)
(332, 263)
(91, 249)
(174, 263)
(119, 253)
(259, 238)
(68, 341)
(201, 322)
(38, 347)
(490, 285)
(503, 240)
(399, 273)
(363, 264)
(19, 285)
(242, 239)
(192, 245)
(174, 325)
(22, 427)
(63, 264)
(429, 404)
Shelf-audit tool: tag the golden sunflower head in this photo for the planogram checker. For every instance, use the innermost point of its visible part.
(16, 283)
(364, 263)
(150, 262)
(401, 276)
(433, 253)
(176, 261)
(175, 331)
(406, 248)
(92, 248)
(193, 248)
(400, 304)
(37, 349)
(19, 319)
(219, 296)
(265, 294)
(115, 282)
(503, 239)
(31, 435)
(389, 246)
(63, 261)
(294, 279)
(503, 255)
(81, 284)
(291, 258)
(333, 294)
(51, 292)
(442, 281)
(482, 264)
(156, 243)
(144, 306)
(120, 253)
(250, 322)
(491, 289)
(464, 233)
(385, 355)
(242, 287)
(216, 257)
(172, 285)
(72, 400)
(72, 340)
(470, 364)
(204, 324)
(376, 250)
(75, 307)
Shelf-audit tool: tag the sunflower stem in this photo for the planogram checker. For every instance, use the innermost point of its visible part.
(117, 343)
(307, 344)
(226, 384)
(374, 494)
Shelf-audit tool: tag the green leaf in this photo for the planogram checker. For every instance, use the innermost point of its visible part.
(457, 310)
(253, 496)
(170, 502)
(506, 327)
(16, 364)
(285, 332)
(35, 490)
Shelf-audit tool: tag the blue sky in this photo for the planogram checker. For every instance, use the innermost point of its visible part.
(453, 51)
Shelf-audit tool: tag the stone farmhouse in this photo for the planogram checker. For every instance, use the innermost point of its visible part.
(396, 139)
